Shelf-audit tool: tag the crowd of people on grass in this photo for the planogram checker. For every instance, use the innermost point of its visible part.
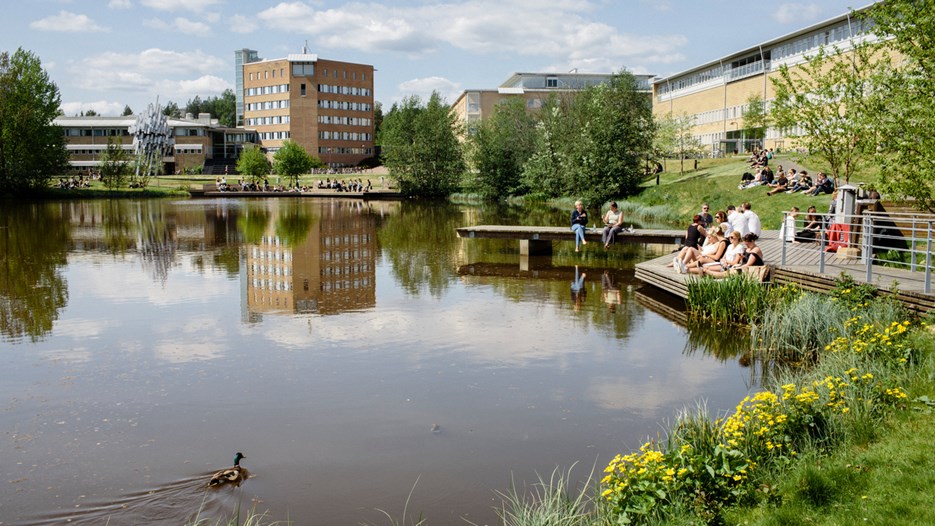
(353, 185)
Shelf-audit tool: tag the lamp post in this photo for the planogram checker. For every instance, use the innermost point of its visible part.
(736, 145)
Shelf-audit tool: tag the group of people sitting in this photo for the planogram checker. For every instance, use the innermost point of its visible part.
(789, 181)
(715, 246)
(612, 222)
(343, 186)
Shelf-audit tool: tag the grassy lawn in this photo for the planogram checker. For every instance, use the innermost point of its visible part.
(715, 182)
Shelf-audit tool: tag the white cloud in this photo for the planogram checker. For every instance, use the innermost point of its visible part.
(423, 87)
(119, 4)
(66, 21)
(179, 5)
(479, 27)
(796, 13)
(205, 85)
(242, 24)
(102, 107)
(180, 25)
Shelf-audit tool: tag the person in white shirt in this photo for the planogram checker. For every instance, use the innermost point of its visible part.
(753, 220)
(737, 220)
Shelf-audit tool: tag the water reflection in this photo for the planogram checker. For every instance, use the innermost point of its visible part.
(32, 288)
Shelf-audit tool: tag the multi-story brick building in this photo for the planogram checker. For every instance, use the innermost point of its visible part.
(326, 106)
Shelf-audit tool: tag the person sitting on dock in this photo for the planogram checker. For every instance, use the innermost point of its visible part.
(733, 256)
(613, 223)
(694, 236)
(711, 252)
(753, 257)
(812, 229)
(579, 222)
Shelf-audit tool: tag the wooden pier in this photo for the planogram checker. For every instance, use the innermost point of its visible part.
(537, 240)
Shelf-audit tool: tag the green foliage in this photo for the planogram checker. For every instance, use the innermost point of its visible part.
(499, 147)
(172, 110)
(543, 173)
(738, 298)
(253, 163)
(903, 113)
(827, 97)
(755, 118)
(32, 149)
(115, 165)
(421, 148)
(549, 502)
(127, 111)
(222, 108)
(291, 160)
(674, 138)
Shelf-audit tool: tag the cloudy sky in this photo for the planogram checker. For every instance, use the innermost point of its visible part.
(105, 54)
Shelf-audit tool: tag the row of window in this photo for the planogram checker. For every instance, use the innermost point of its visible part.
(346, 270)
(273, 136)
(343, 74)
(352, 239)
(96, 132)
(266, 74)
(344, 136)
(267, 90)
(347, 151)
(281, 255)
(267, 121)
(267, 284)
(274, 270)
(268, 105)
(344, 105)
(344, 90)
(328, 286)
(346, 121)
(826, 37)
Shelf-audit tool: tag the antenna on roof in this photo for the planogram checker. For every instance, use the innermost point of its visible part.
(573, 70)
(305, 48)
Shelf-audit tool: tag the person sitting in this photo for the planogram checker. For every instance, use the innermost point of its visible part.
(720, 219)
(804, 183)
(824, 185)
(745, 180)
(733, 256)
(752, 257)
(787, 229)
(781, 185)
(693, 237)
(579, 223)
(812, 229)
(613, 223)
(711, 252)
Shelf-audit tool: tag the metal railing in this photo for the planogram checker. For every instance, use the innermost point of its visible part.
(876, 239)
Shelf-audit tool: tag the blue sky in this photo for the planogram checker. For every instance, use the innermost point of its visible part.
(104, 54)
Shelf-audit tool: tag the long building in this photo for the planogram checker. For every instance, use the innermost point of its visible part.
(326, 106)
(715, 94)
(534, 88)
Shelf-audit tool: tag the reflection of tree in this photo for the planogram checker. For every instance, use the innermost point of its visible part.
(420, 242)
(32, 289)
(724, 342)
(119, 230)
(293, 223)
(253, 223)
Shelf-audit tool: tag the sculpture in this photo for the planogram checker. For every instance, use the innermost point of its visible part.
(152, 140)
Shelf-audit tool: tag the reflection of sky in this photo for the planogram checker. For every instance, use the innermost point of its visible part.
(334, 412)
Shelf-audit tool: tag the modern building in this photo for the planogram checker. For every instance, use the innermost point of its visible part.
(715, 93)
(535, 88)
(326, 106)
(241, 57)
(199, 141)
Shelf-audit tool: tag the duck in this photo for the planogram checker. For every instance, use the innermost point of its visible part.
(233, 475)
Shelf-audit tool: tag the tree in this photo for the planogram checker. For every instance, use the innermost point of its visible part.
(823, 104)
(673, 138)
(291, 160)
(32, 148)
(903, 114)
(91, 113)
(755, 118)
(613, 128)
(421, 147)
(172, 110)
(127, 111)
(222, 108)
(500, 147)
(253, 162)
(115, 164)
(543, 172)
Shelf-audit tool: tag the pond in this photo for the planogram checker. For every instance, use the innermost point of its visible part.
(353, 351)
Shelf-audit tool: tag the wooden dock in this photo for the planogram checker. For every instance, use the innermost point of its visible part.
(801, 268)
(537, 240)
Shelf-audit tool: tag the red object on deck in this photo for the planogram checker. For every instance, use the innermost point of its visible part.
(839, 235)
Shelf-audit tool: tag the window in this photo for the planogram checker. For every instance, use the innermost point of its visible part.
(324, 73)
(551, 82)
(302, 90)
(266, 74)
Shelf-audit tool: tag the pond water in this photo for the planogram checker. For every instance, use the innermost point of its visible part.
(353, 351)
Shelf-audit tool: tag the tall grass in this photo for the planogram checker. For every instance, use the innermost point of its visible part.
(738, 298)
(552, 502)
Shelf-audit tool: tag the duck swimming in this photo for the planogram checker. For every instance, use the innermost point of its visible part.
(233, 475)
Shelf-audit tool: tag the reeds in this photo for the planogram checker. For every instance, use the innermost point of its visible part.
(552, 502)
(738, 298)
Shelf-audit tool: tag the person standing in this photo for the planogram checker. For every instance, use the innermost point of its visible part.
(613, 223)
(737, 220)
(753, 221)
(579, 222)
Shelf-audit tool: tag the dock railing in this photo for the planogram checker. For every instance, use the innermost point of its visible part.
(873, 240)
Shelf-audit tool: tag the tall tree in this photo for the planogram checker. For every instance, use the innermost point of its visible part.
(172, 110)
(253, 162)
(755, 118)
(543, 173)
(421, 147)
(673, 138)
(500, 147)
(115, 164)
(32, 148)
(903, 114)
(823, 105)
(127, 111)
(291, 160)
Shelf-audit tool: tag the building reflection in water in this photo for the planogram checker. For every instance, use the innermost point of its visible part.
(328, 271)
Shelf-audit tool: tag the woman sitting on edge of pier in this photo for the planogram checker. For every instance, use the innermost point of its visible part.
(613, 223)
(711, 252)
(753, 257)
(579, 222)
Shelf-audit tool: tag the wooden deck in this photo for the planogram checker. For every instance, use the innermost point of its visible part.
(801, 268)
